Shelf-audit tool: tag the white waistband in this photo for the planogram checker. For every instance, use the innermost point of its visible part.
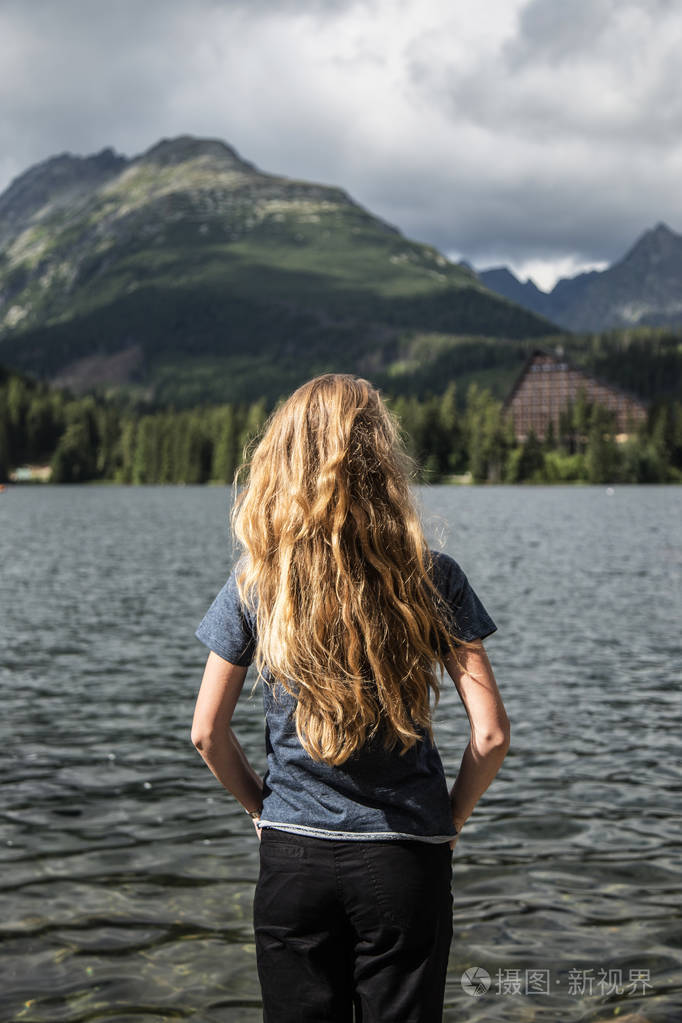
(352, 836)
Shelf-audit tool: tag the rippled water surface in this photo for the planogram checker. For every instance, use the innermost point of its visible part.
(128, 872)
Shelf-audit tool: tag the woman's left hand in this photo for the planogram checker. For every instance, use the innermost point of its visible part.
(458, 828)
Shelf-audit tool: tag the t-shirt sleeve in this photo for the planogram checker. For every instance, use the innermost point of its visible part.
(226, 628)
(468, 618)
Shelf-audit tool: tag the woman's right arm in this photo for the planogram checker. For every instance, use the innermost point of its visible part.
(212, 733)
(489, 724)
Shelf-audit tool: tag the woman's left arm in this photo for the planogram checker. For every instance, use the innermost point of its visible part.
(213, 737)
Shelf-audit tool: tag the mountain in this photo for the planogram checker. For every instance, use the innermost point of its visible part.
(501, 280)
(57, 182)
(644, 288)
(191, 275)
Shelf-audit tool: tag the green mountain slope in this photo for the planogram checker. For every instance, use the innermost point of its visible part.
(189, 274)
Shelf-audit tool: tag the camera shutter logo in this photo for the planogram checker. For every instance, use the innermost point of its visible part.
(476, 981)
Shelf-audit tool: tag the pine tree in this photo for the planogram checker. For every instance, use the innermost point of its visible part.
(225, 452)
(602, 457)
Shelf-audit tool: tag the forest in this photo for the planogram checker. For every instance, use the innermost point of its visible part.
(452, 437)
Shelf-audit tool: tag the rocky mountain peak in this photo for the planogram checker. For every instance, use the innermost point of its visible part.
(659, 242)
(184, 148)
(54, 182)
(661, 230)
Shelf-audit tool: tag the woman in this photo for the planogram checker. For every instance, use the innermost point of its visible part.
(347, 614)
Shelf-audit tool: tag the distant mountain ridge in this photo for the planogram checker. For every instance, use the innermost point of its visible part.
(642, 288)
(191, 273)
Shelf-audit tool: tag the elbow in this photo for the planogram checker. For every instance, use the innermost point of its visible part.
(200, 738)
(494, 740)
(205, 739)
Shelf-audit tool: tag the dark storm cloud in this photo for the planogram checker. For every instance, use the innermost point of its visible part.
(577, 121)
(519, 130)
(80, 75)
(553, 32)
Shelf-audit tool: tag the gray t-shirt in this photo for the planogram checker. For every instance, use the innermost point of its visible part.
(377, 794)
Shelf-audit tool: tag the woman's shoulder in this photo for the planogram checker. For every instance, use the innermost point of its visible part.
(445, 568)
(448, 576)
(470, 619)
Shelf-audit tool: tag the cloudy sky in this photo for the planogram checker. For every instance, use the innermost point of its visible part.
(544, 134)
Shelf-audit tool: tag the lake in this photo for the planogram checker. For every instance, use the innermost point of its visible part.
(128, 872)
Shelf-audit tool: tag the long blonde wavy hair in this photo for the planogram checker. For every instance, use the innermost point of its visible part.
(337, 572)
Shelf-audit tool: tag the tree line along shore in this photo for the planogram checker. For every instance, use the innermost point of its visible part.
(452, 437)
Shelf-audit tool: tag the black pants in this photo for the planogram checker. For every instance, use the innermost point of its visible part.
(347, 927)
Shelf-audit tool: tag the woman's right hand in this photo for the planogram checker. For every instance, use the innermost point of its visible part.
(458, 825)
